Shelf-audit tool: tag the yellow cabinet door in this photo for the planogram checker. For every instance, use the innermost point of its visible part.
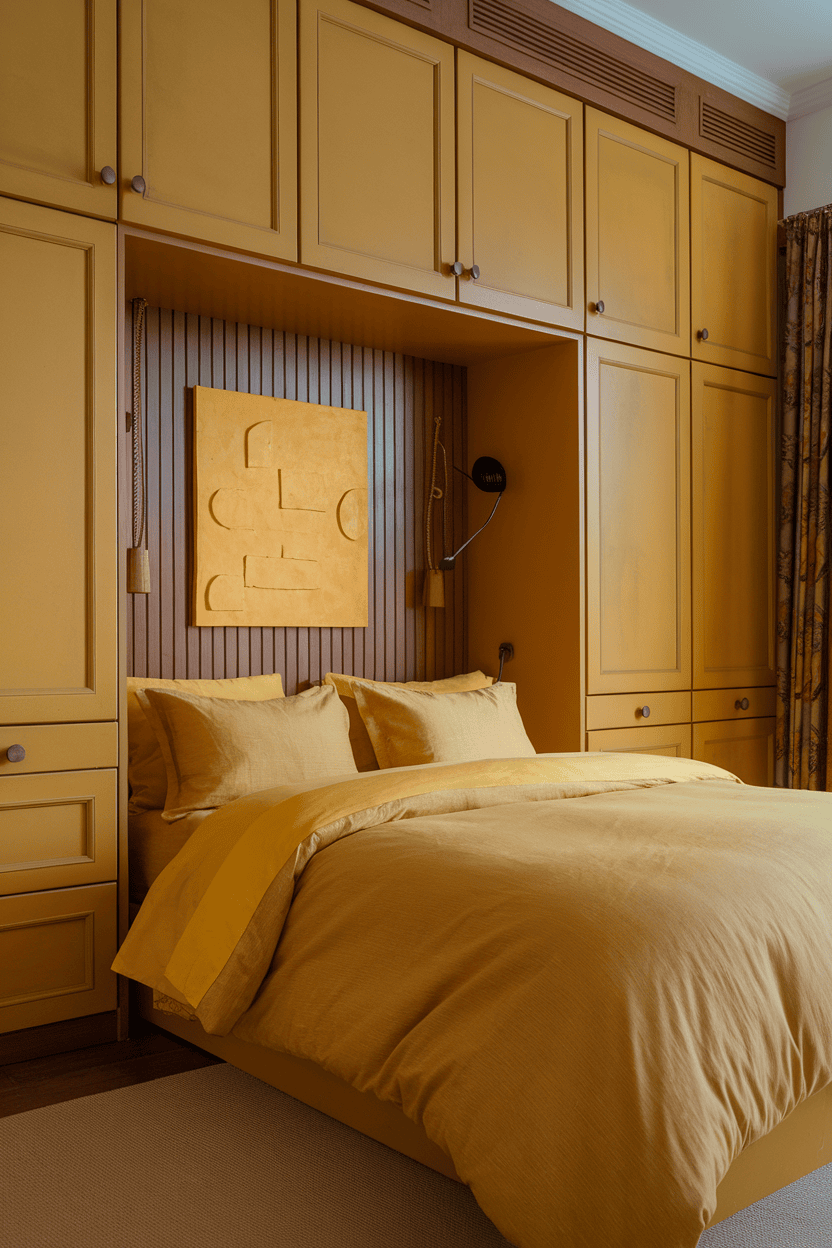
(744, 747)
(58, 104)
(733, 518)
(733, 238)
(377, 148)
(671, 739)
(209, 121)
(58, 556)
(519, 152)
(637, 236)
(638, 519)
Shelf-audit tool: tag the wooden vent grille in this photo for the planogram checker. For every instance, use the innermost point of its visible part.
(522, 31)
(739, 136)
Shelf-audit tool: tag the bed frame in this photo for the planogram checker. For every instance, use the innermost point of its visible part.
(800, 1144)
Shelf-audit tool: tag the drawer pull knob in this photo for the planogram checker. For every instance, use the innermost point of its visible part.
(599, 306)
(457, 268)
(741, 705)
(702, 335)
(15, 753)
(644, 712)
(108, 175)
(474, 271)
(138, 184)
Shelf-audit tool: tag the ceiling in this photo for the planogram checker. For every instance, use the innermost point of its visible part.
(772, 53)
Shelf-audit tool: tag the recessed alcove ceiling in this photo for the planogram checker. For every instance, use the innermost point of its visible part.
(776, 55)
(208, 282)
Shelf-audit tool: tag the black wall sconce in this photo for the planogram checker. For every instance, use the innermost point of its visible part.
(488, 475)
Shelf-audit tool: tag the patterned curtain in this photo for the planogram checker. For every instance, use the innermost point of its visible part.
(804, 708)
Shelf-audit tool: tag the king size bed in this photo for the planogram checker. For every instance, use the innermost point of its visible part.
(596, 988)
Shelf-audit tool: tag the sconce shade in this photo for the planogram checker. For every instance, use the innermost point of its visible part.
(489, 475)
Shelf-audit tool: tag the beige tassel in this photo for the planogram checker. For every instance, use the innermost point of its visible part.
(138, 571)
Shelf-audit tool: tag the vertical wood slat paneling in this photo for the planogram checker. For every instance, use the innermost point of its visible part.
(403, 640)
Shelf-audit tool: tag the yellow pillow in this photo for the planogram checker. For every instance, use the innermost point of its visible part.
(409, 726)
(146, 773)
(362, 746)
(218, 749)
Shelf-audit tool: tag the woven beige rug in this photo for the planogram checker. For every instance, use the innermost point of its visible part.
(216, 1159)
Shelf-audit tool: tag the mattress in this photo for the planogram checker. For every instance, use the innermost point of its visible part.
(152, 844)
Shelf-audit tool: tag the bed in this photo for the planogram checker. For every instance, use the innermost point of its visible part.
(381, 946)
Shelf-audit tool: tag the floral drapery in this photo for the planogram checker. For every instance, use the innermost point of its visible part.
(804, 707)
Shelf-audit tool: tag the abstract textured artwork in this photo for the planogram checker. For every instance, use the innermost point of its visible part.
(280, 513)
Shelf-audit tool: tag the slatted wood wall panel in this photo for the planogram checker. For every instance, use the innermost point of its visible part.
(401, 395)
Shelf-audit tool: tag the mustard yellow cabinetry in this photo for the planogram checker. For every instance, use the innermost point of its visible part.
(377, 148)
(58, 616)
(58, 105)
(733, 535)
(519, 155)
(209, 121)
(637, 236)
(745, 747)
(671, 739)
(733, 268)
(637, 519)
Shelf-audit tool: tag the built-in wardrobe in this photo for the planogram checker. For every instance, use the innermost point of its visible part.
(446, 191)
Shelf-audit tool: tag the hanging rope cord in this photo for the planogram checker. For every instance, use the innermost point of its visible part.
(435, 494)
(139, 306)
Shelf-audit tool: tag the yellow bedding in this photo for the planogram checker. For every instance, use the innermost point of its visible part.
(592, 1005)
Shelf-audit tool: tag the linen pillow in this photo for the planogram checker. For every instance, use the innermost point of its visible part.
(146, 772)
(362, 746)
(408, 726)
(218, 749)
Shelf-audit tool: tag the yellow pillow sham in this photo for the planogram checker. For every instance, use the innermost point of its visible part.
(146, 772)
(409, 726)
(362, 746)
(218, 749)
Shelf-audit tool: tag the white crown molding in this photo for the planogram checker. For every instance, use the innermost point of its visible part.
(811, 99)
(648, 33)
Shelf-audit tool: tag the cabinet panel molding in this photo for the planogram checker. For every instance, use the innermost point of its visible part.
(638, 519)
(745, 748)
(733, 225)
(637, 236)
(520, 202)
(55, 953)
(57, 471)
(57, 830)
(209, 120)
(58, 104)
(671, 739)
(377, 148)
(733, 510)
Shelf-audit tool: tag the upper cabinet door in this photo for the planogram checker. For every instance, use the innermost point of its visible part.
(638, 519)
(519, 152)
(58, 556)
(377, 148)
(209, 121)
(733, 235)
(637, 236)
(58, 104)
(733, 510)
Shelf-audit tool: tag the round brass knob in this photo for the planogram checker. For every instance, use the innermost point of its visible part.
(741, 705)
(15, 753)
(138, 184)
(108, 175)
(644, 712)
(474, 271)
(599, 306)
(702, 335)
(457, 268)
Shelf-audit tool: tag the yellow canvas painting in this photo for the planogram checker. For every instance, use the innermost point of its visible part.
(280, 501)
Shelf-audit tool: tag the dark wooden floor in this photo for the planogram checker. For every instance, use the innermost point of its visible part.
(99, 1068)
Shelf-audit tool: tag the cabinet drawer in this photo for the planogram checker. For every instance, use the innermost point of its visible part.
(625, 710)
(744, 747)
(57, 830)
(722, 703)
(672, 739)
(56, 949)
(59, 747)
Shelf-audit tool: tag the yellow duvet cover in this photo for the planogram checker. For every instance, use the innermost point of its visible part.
(593, 979)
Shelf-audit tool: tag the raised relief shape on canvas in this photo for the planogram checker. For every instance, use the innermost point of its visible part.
(280, 499)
